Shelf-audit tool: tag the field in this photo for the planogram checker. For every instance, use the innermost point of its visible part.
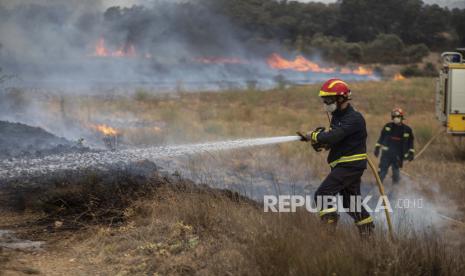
(172, 226)
(196, 117)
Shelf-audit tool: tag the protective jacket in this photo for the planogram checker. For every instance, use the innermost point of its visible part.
(396, 141)
(346, 139)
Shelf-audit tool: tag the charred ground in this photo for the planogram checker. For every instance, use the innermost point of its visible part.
(20, 140)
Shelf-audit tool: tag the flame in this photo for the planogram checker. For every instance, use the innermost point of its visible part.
(301, 64)
(220, 60)
(362, 71)
(102, 51)
(345, 71)
(398, 77)
(106, 130)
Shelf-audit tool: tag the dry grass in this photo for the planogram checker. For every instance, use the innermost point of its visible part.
(196, 117)
(186, 230)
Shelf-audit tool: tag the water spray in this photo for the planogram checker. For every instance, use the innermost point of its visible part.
(17, 167)
(100, 160)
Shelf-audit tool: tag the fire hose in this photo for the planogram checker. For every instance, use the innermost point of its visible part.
(381, 191)
(425, 147)
(383, 196)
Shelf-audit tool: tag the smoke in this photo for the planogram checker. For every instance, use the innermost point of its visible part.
(54, 42)
(419, 204)
(50, 46)
(159, 44)
(94, 47)
(36, 31)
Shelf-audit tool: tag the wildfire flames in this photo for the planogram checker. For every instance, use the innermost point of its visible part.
(124, 51)
(399, 76)
(106, 130)
(274, 61)
(302, 64)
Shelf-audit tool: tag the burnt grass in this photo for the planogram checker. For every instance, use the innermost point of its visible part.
(90, 197)
(19, 140)
(78, 197)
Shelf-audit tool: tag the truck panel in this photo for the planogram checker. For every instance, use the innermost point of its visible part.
(457, 91)
(456, 123)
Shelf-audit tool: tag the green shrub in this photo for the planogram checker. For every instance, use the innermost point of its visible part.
(429, 70)
(411, 71)
(141, 95)
(415, 53)
(337, 50)
(354, 52)
(386, 48)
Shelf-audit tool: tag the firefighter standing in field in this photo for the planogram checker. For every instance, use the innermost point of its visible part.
(346, 140)
(396, 144)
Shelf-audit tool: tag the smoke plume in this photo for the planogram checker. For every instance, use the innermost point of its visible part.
(161, 45)
(169, 41)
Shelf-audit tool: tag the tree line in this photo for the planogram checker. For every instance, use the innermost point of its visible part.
(388, 31)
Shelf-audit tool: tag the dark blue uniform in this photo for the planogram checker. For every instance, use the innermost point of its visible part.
(396, 142)
(346, 140)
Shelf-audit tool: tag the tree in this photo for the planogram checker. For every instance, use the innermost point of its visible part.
(386, 48)
(458, 22)
(433, 22)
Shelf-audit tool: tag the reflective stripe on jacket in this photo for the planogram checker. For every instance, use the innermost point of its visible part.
(346, 139)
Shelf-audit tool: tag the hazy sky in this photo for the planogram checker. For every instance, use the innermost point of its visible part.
(132, 2)
(108, 3)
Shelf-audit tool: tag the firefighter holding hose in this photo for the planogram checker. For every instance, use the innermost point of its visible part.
(396, 145)
(346, 142)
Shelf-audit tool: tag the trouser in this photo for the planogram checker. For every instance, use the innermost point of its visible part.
(393, 161)
(343, 181)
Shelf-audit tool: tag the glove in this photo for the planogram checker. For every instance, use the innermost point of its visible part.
(410, 156)
(309, 135)
(313, 135)
(313, 139)
(308, 138)
(319, 147)
(377, 149)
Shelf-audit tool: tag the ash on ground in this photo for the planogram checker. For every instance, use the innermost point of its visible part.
(20, 140)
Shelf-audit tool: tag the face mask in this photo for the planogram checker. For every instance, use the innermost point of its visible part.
(397, 120)
(331, 107)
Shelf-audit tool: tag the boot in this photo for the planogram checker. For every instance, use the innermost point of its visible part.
(330, 220)
(365, 227)
(366, 230)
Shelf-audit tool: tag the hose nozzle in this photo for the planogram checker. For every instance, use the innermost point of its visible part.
(303, 137)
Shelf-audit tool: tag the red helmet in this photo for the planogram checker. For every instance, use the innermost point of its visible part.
(335, 87)
(397, 112)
